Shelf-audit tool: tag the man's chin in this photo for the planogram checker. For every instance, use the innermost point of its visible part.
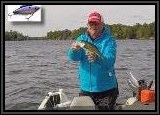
(94, 31)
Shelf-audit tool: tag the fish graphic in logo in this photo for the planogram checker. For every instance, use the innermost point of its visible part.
(25, 10)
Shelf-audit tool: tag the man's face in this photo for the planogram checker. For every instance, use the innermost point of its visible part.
(94, 28)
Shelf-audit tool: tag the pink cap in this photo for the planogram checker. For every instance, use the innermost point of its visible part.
(95, 17)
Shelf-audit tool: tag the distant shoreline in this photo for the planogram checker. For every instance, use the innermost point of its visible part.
(41, 38)
(119, 31)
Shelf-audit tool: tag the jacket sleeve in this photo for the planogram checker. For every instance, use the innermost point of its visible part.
(75, 55)
(109, 54)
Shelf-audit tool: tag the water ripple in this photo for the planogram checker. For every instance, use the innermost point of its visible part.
(34, 68)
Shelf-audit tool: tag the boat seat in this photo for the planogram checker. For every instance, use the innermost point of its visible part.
(82, 103)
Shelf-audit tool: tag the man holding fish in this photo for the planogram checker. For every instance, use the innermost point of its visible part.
(96, 52)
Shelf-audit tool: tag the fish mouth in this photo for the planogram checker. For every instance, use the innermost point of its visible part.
(37, 8)
(81, 44)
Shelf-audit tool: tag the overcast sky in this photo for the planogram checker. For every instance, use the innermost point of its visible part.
(60, 17)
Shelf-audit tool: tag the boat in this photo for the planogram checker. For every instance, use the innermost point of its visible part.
(59, 100)
(53, 101)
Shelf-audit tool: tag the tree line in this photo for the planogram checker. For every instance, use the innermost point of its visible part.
(137, 31)
(14, 36)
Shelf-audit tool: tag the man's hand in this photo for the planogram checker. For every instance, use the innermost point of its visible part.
(75, 46)
(91, 57)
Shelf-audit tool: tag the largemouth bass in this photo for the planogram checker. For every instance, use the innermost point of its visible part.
(90, 48)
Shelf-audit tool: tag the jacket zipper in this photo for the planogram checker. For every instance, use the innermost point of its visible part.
(90, 75)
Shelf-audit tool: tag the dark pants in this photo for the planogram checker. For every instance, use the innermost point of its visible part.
(103, 100)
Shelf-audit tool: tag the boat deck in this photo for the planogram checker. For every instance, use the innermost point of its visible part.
(137, 106)
(52, 102)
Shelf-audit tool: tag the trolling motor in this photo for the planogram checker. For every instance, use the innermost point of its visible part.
(142, 85)
(141, 90)
(147, 95)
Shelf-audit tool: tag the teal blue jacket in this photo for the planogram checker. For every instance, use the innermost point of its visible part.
(97, 76)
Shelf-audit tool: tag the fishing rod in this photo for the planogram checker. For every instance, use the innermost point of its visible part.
(150, 84)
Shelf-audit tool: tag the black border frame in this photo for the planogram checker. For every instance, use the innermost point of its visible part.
(156, 3)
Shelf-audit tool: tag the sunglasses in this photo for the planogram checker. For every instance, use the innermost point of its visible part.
(93, 24)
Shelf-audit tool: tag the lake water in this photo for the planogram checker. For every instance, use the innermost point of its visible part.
(34, 68)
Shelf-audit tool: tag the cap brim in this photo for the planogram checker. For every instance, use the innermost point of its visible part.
(95, 21)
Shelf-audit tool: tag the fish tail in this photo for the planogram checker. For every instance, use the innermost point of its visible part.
(102, 58)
